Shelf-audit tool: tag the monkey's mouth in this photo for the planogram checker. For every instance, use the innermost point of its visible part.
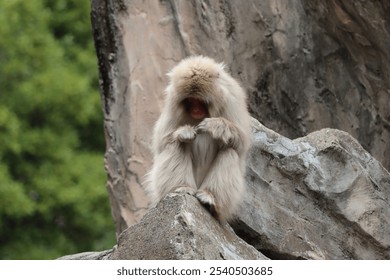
(197, 109)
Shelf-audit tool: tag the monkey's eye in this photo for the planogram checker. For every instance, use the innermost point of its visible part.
(192, 102)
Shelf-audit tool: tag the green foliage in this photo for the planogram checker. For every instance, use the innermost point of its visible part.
(52, 196)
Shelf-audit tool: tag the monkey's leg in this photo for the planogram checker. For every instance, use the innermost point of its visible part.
(223, 186)
(172, 169)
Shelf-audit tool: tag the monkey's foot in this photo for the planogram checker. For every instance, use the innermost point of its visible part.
(185, 190)
(185, 134)
(207, 200)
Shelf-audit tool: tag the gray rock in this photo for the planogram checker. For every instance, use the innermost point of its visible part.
(317, 197)
(180, 228)
(104, 255)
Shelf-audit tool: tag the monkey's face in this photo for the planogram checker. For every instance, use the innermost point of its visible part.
(196, 108)
(194, 92)
(194, 98)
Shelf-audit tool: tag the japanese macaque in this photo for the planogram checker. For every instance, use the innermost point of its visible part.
(201, 139)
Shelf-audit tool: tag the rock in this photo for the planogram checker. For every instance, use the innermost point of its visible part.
(317, 197)
(306, 65)
(104, 255)
(180, 228)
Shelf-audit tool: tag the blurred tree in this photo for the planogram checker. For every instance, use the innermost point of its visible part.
(52, 196)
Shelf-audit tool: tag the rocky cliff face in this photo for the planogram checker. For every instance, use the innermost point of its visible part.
(306, 65)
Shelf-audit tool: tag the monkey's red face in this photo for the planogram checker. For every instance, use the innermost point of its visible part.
(196, 108)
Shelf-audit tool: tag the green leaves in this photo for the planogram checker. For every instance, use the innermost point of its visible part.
(53, 199)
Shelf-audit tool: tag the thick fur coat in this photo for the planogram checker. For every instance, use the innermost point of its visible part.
(202, 137)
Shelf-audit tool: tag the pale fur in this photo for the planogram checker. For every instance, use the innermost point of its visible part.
(205, 158)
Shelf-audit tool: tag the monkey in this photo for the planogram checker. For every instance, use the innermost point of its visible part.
(202, 137)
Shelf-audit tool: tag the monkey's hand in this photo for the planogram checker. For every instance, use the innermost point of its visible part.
(221, 129)
(184, 134)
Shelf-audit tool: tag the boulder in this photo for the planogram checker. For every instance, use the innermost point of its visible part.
(180, 228)
(317, 197)
(103, 255)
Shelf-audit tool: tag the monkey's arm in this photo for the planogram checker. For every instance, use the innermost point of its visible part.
(223, 130)
(183, 134)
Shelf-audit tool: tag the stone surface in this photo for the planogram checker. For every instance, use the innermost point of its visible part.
(317, 197)
(306, 65)
(104, 255)
(180, 228)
